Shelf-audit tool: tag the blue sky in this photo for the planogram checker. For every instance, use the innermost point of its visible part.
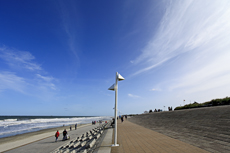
(60, 57)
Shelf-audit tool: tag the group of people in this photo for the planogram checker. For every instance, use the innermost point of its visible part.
(94, 122)
(170, 108)
(65, 134)
(70, 128)
(121, 117)
(158, 110)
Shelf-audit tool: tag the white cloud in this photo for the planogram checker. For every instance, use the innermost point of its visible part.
(150, 67)
(67, 10)
(9, 80)
(133, 96)
(46, 81)
(45, 78)
(199, 33)
(185, 26)
(216, 73)
(20, 59)
(154, 89)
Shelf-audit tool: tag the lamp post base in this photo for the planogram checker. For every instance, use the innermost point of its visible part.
(115, 145)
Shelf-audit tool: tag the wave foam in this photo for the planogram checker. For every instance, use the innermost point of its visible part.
(9, 127)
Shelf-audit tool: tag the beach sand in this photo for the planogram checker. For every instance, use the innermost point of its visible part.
(11, 142)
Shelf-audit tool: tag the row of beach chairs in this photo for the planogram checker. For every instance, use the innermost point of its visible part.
(85, 142)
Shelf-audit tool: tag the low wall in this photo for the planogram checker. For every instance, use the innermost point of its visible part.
(207, 128)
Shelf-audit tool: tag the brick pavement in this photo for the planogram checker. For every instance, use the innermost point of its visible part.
(133, 138)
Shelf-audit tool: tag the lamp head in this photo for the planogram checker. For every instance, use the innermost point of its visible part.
(120, 78)
(112, 87)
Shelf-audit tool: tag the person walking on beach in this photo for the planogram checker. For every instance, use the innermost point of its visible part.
(76, 126)
(57, 135)
(70, 128)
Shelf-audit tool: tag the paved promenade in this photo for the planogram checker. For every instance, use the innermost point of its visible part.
(41, 144)
(133, 138)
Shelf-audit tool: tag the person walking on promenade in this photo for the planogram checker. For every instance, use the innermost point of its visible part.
(76, 126)
(57, 135)
(65, 135)
(122, 119)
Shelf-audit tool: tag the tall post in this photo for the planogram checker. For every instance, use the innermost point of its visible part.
(115, 131)
(115, 87)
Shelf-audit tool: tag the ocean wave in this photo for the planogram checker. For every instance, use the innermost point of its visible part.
(49, 120)
(11, 127)
(9, 120)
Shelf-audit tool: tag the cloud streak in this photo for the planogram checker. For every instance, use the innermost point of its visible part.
(154, 89)
(199, 33)
(20, 59)
(66, 11)
(9, 80)
(29, 81)
(133, 96)
(47, 81)
(185, 26)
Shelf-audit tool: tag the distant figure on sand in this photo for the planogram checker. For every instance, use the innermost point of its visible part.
(70, 128)
(57, 135)
(76, 126)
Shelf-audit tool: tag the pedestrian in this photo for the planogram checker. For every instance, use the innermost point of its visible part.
(70, 128)
(76, 126)
(65, 135)
(122, 119)
(57, 135)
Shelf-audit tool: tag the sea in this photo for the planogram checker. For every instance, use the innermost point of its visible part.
(14, 125)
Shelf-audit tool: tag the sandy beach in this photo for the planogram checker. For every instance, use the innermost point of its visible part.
(12, 142)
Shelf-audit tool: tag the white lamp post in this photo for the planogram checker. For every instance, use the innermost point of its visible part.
(115, 87)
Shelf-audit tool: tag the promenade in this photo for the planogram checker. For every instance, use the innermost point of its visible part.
(133, 138)
(42, 143)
